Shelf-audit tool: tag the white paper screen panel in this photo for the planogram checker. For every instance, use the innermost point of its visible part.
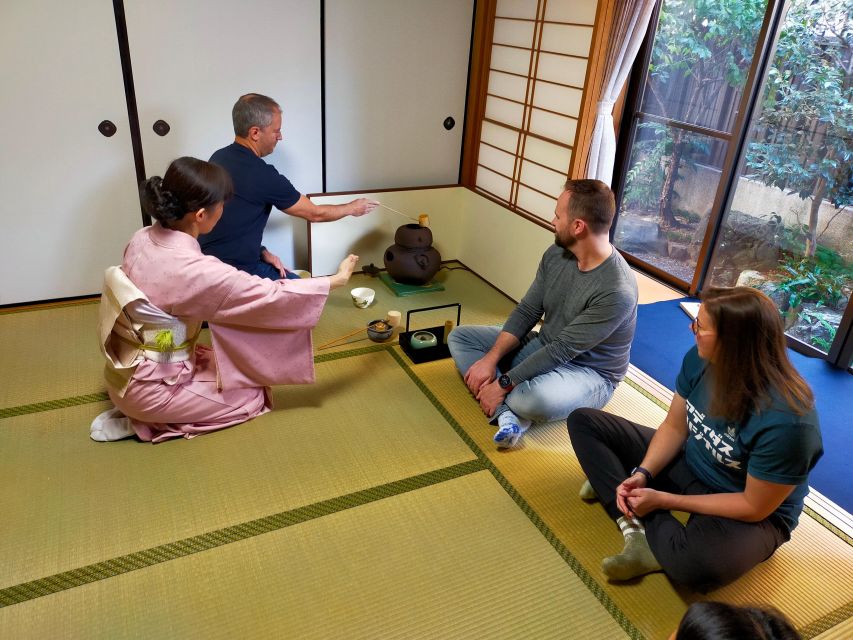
(563, 69)
(511, 60)
(553, 126)
(547, 153)
(497, 160)
(568, 39)
(493, 183)
(504, 111)
(542, 179)
(507, 86)
(395, 70)
(517, 8)
(515, 33)
(557, 98)
(536, 203)
(189, 69)
(577, 11)
(70, 199)
(499, 136)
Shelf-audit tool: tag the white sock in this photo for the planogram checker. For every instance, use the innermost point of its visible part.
(111, 425)
(508, 418)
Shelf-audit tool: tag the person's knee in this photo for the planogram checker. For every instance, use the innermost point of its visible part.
(463, 338)
(455, 339)
(526, 403)
(581, 419)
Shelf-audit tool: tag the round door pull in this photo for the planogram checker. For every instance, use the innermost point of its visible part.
(107, 128)
(449, 123)
(161, 127)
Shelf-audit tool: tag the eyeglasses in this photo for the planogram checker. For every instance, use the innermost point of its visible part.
(695, 327)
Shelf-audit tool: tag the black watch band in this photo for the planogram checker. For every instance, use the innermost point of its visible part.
(644, 471)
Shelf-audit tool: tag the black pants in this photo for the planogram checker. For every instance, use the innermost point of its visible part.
(708, 552)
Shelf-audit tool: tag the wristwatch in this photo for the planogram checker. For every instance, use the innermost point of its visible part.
(644, 471)
(505, 383)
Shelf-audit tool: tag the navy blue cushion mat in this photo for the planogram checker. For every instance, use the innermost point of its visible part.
(663, 337)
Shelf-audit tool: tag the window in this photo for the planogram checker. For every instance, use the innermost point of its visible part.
(537, 67)
(738, 166)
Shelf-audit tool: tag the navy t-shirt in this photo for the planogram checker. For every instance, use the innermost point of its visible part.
(774, 445)
(237, 237)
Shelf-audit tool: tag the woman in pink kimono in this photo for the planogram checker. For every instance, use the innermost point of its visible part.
(162, 383)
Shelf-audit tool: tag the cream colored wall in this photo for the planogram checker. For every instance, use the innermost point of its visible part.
(495, 243)
(369, 235)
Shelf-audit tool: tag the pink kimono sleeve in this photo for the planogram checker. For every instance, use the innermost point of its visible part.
(262, 330)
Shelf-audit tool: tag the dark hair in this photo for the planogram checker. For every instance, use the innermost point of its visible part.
(253, 110)
(751, 356)
(593, 202)
(190, 184)
(720, 621)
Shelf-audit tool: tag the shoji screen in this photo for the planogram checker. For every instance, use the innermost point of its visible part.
(537, 70)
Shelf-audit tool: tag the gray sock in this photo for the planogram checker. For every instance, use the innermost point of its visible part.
(636, 558)
(587, 492)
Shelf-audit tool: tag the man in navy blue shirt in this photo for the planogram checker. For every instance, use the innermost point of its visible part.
(258, 187)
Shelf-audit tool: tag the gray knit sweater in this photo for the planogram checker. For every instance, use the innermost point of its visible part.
(590, 316)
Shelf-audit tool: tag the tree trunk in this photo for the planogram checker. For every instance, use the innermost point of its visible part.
(667, 219)
(814, 210)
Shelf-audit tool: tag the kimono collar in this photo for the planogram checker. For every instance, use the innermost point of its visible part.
(172, 239)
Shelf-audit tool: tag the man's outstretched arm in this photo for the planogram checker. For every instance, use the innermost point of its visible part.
(311, 212)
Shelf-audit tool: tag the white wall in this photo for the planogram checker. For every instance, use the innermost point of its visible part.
(395, 69)
(499, 245)
(69, 200)
(193, 59)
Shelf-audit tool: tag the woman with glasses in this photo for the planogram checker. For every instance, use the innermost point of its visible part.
(734, 451)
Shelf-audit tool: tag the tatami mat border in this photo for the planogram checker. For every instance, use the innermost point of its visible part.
(44, 306)
(828, 621)
(188, 546)
(648, 394)
(50, 405)
(63, 403)
(828, 525)
(589, 582)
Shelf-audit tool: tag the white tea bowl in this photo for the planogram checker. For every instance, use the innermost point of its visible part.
(362, 297)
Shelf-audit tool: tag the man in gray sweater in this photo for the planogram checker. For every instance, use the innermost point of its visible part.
(588, 296)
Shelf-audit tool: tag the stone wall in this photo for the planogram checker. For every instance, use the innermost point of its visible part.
(697, 189)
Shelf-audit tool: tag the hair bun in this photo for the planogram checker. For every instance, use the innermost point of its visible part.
(160, 203)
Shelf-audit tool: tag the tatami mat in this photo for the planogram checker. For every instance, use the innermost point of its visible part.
(49, 354)
(68, 501)
(358, 508)
(453, 560)
(481, 304)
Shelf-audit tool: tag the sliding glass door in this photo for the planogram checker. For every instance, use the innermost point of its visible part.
(739, 156)
(788, 227)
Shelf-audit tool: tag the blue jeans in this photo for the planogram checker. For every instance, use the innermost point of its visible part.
(266, 270)
(549, 396)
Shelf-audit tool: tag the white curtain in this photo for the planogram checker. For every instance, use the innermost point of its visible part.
(629, 29)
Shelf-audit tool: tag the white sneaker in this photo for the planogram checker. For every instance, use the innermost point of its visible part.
(111, 425)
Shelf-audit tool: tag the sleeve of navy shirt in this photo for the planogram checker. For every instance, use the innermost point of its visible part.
(276, 189)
